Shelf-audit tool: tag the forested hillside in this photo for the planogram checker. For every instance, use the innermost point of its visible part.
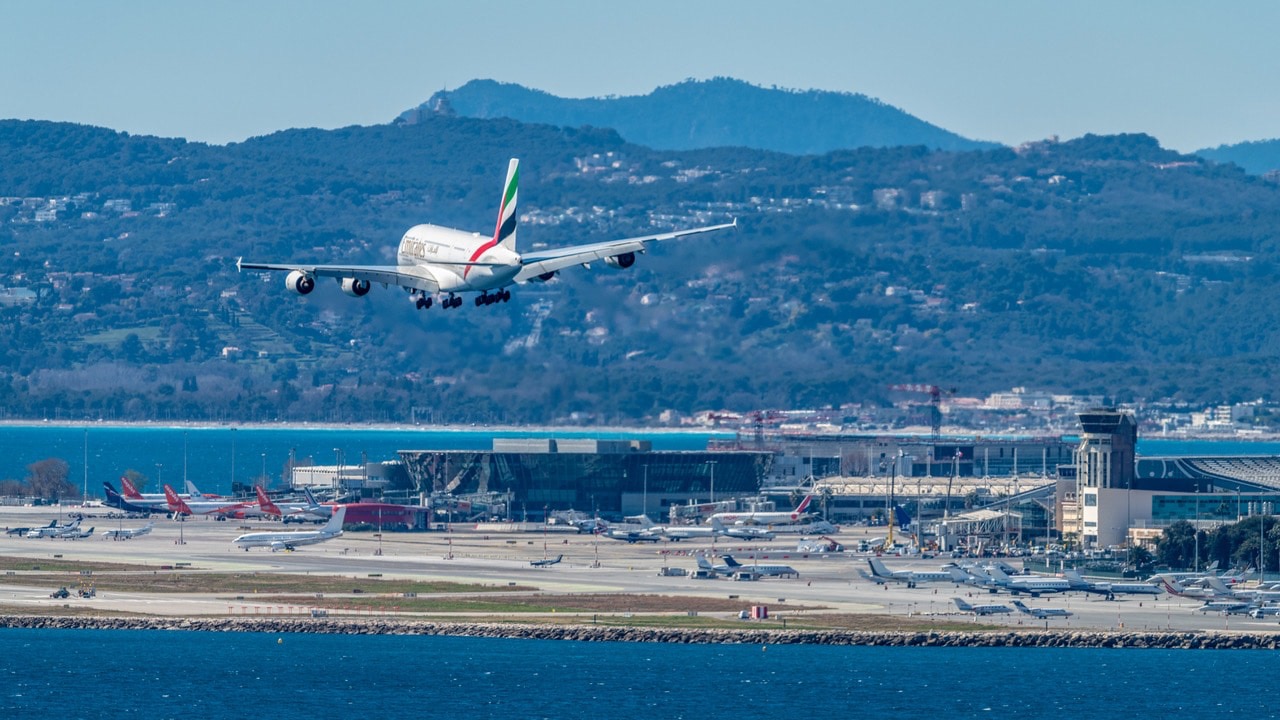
(721, 112)
(1102, 265)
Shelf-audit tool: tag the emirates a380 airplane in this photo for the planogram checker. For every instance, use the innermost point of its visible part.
(436, 261)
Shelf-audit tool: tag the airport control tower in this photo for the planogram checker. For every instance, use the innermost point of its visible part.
(1105, 466)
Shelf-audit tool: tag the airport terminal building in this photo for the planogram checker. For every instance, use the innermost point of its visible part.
(614, 478)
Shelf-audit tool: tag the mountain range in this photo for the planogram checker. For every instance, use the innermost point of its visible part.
(1102, 265)
(721, 112)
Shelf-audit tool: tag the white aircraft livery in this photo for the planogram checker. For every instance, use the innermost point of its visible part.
(436, 261)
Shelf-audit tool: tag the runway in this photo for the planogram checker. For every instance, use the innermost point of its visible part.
(500, 559)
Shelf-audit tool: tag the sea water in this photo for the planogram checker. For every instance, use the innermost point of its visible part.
(69, 674)
(211, 457)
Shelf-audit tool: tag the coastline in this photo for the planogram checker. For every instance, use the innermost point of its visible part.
(590, 633)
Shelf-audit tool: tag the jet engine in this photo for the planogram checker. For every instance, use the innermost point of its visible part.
(544, 277)
(299, 282)
(354, 287)
(625, 260)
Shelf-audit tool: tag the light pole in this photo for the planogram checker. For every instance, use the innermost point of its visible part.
(233, 458)
(712, 463)
(264, 470)
(85, 497)
(337, 479)
(160, 475)
(1196, 530)
(644, 497)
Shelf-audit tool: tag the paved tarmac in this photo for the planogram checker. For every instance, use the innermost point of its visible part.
(500, 555)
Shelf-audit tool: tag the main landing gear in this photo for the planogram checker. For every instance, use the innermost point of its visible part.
(485, 298)
(424, 302)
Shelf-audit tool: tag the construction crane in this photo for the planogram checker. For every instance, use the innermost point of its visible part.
(935, 394)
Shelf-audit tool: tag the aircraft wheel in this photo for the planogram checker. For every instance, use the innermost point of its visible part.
(480, 300)
(457, 302)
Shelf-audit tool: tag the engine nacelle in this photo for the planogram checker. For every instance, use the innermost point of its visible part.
(299, 282)
(625, 260)
(544, 277)
(354, 287)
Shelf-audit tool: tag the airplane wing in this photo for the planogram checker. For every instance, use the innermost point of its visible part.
(544, 261)
(408, 276)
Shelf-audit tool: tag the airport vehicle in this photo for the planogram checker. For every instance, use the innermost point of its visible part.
(965, 607)
(1041, 613)
(1109, 589)
(290, 539)
(765, 570)
(60, 593)
(912, 578)
(1265, 611)
(546, 562)
(216, 508)
(433, 260)
(128, 533)
(310, 511)
(766, 518)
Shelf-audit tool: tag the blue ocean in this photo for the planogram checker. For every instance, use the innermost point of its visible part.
(211, 457)
(71, 674)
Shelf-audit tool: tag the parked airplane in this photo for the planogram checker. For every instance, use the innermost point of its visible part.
(1033, 585)
(128, 533)
(119, 502)
(547, 562)
(1041, 613)
(980, 609)
(288, 540)
(767, 570)
(743, 532)
(77, 534)
(433, 260)
(632, 536)
(293, 511)
(715, 529)
(1109, 589)
(54, 530)
(1227, 607)
(765, 518)
(25, 531)
(217, 508)
(951, 574)
(1194, 593)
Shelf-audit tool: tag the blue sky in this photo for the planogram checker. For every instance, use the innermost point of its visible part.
(1193, 74)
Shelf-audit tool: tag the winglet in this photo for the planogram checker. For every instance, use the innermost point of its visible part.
(242, 257)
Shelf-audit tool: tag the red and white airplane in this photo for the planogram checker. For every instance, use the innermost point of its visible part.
(765, 518)
(434, 261)
(222, 508)
(310, 511)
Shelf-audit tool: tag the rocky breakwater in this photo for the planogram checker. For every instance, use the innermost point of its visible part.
(596, 633)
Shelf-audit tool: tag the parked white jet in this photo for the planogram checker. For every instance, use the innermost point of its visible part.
(433, 260)
(288, 540)
(882, 574)
(1109, 589)
(1041, 613)
(128, 533)
(963, 606)
(766, 570)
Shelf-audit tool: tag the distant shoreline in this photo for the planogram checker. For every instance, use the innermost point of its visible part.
(593, 633)
(1250, 437)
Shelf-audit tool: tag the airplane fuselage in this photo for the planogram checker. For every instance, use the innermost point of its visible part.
(443, 254)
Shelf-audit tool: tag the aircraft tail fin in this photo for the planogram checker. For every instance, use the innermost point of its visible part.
(335, 523)
(961, 605)
(505, 233)
(175, 503)
(1022, 608)
(716, 525)
(901, 516)
(728, 560)
(804, 504)
(128, 487)
(265, 503)
(878, 569)
(704, 563)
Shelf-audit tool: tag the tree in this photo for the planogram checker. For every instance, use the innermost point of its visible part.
(48, 479)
